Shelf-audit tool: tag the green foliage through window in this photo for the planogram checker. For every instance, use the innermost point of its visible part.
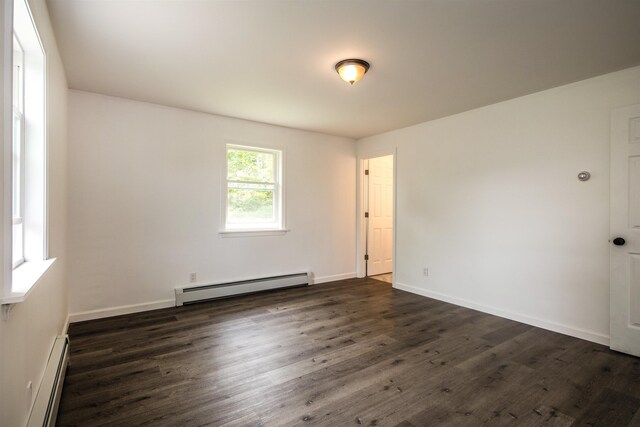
(252, 187)
(244, 165)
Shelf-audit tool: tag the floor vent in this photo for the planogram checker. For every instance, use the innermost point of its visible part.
(45, 408)
(222, 290)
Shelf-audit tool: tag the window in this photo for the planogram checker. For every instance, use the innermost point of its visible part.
(18, 153)
(253, 189)
(29, 156)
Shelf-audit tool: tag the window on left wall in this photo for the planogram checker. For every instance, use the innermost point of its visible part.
(29, 153)
(18, 154)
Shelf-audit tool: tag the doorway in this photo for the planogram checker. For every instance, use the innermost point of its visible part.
(377, 217)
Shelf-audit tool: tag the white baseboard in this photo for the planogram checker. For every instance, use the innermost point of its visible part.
(117, 311)
(335, 277)
(135, 308)
(65, 328)
(540, 323)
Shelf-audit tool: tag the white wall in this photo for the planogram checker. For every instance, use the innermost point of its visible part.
(489, 201)
(26, 338)
(145, 203)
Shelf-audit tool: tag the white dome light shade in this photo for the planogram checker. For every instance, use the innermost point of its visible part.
(352, 70)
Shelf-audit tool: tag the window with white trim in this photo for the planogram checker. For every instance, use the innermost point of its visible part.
(27, 146)
(29, 151)
(253, 189)
(18, 154)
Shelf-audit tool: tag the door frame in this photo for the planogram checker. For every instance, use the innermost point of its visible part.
(360, 197)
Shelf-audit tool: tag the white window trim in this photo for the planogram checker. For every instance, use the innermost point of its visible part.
(253, 233)
(21, 280)
(19, 220)
(25, 277)
(280, 228)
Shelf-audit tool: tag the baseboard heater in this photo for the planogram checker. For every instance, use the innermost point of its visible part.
(200, 293)
(45, 407)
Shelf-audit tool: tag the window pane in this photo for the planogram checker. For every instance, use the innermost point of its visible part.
(256, 166)
(250, 205)
(17, 244)
(17, 75)
(17, 166)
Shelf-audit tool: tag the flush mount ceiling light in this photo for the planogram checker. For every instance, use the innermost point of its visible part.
(352, 70)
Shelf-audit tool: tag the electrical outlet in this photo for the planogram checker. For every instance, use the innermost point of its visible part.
(193, 277)
(425, 271)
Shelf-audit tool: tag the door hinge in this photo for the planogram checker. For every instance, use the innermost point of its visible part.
(366, 214)
(366, 257)
(366, 171)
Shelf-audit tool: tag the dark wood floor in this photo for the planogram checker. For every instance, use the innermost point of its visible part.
(355, 352)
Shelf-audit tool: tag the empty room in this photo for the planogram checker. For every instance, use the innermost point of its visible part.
(322, 212)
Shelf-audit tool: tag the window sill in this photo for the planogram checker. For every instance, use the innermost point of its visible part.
(24, 279)
(252, 233)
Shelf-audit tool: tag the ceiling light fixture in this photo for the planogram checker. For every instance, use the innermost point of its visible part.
(352, 70)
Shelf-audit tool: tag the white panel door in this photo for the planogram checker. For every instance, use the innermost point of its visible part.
(380, 240)
(625, 230)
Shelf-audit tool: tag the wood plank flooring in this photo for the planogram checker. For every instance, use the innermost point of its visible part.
(386, 277)
(354, 352)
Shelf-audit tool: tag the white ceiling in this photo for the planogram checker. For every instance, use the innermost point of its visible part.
(272, 61)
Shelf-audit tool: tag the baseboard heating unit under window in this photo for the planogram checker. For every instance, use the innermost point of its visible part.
(200, 293)
(45, 407)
